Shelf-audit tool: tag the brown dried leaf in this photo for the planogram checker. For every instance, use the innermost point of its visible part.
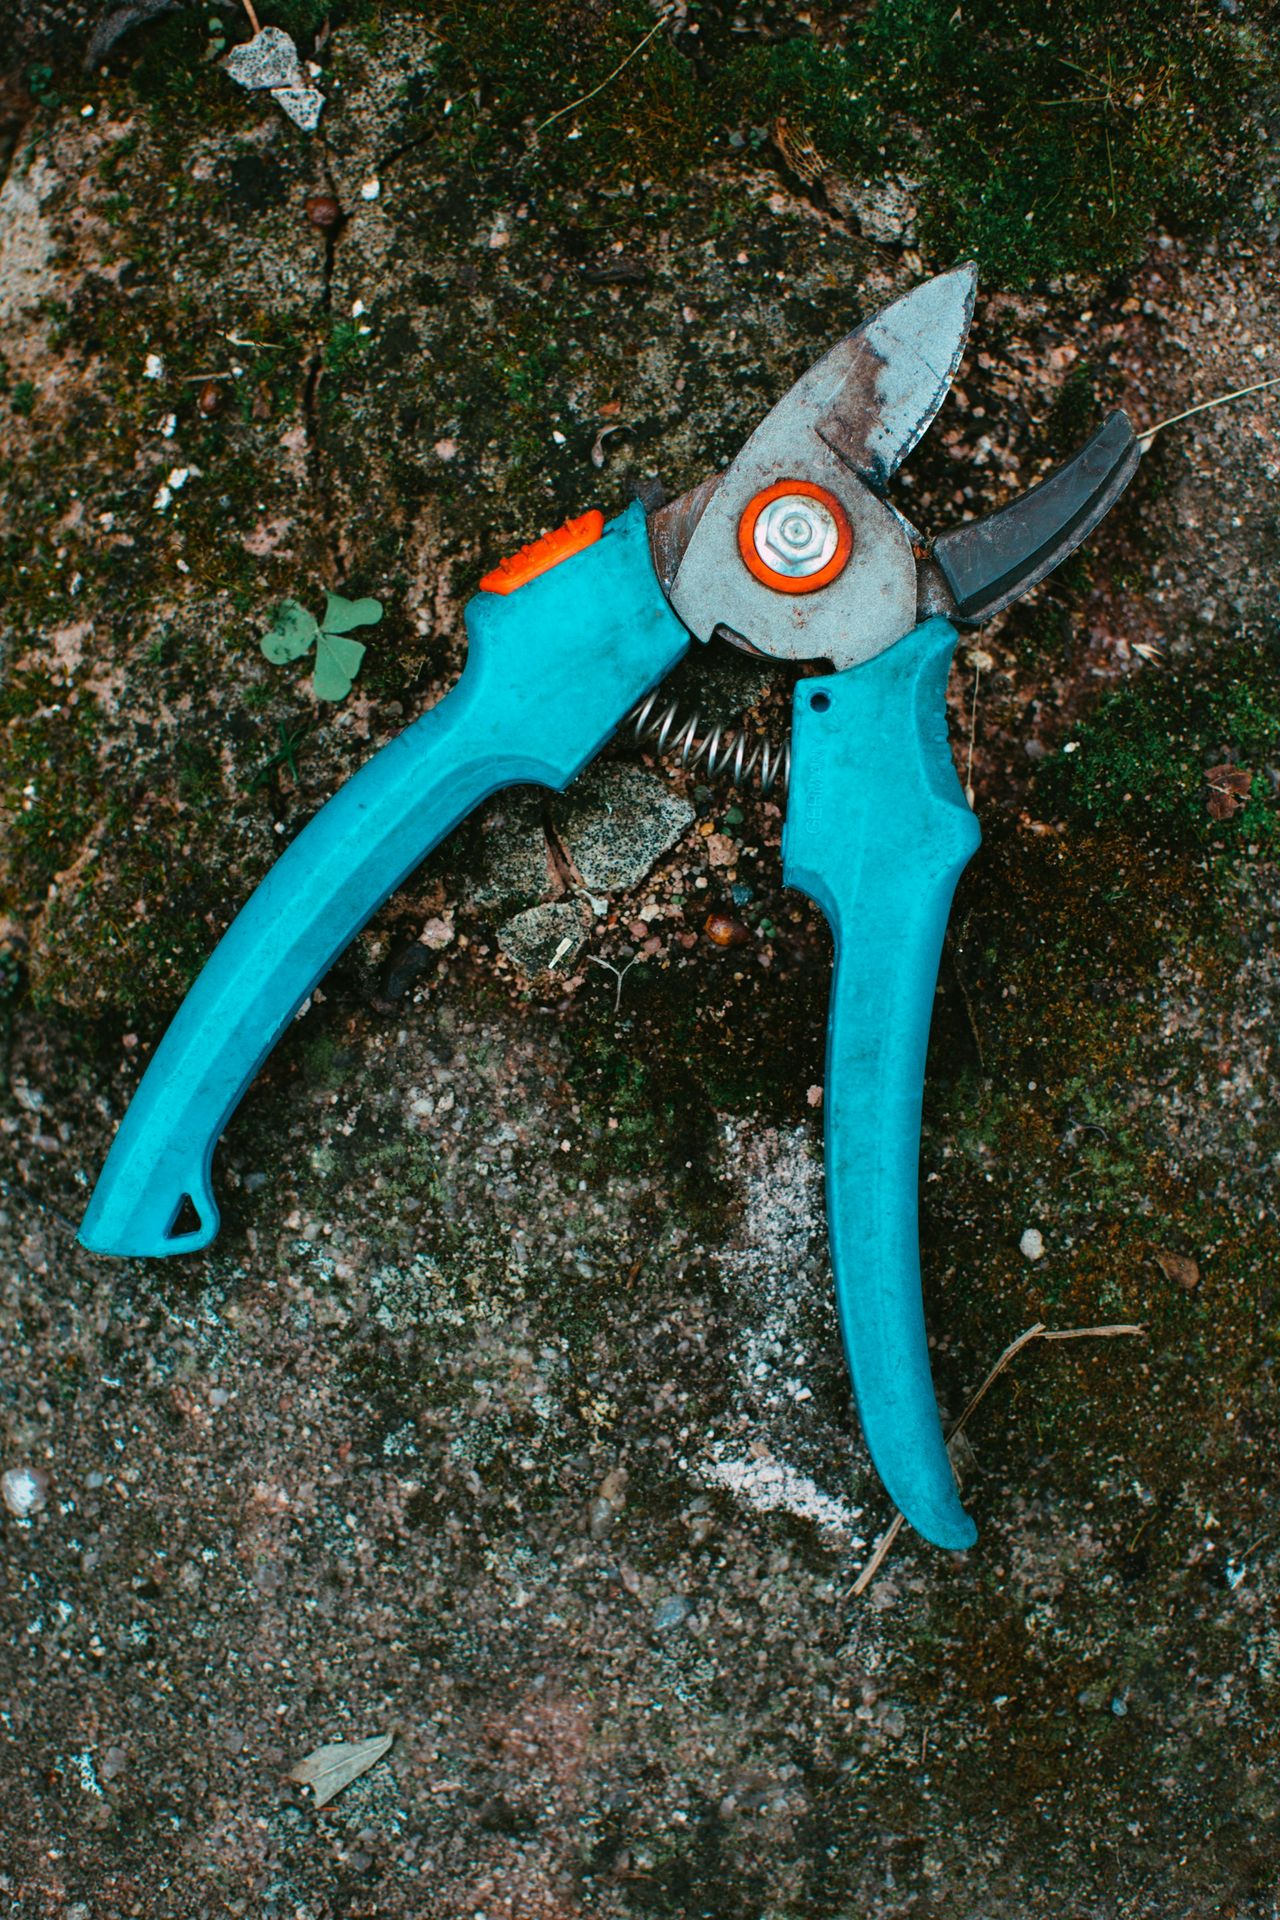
(329, 1769)
(1178, 1267)
(795, 144)
(1228, 789)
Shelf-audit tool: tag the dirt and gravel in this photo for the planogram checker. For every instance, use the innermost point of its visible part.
(507, 1413)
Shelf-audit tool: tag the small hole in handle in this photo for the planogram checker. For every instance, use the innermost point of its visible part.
(819, 702)
(186, 1219)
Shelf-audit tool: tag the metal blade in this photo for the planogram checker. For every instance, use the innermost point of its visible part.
(989, 563)
(844, 426)
(876, 393)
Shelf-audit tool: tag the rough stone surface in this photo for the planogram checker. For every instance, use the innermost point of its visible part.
(519, 1328)
(617, 823)
(515, 869)
(552, 935)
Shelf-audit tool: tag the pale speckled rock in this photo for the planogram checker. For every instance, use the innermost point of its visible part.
(617, 823)
(269, 60)
(545, 937)
(515, 870)
(24, 1490)
(884, 209)
(26, 240)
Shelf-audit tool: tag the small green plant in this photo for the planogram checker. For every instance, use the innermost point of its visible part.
(285, 755)
(338, 658)
(1181, 759)
(41, 88)
(23, 397)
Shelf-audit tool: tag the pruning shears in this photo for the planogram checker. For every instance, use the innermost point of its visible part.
(793, 553)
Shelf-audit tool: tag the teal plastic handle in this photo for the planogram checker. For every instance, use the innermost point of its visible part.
(877, 835)
(551, 670)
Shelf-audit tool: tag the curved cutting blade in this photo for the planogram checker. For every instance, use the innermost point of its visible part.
(845, 425)
(986, 564)
(874, 395)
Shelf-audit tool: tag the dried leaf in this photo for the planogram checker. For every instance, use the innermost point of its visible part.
(295, 630)
(1228, 790)
(337, 664)
(341, 615)
(1178, 1267)
(598, 445)
(329, 1769)
(795, 144)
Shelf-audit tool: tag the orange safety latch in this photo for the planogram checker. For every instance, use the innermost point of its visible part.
(544, 553)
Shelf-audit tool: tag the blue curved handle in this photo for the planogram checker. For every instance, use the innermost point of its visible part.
(877, 834)
(551, 669)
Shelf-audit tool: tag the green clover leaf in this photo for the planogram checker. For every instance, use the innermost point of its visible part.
(337, 661)
(341, 615)
(294, 632)
(337, 664)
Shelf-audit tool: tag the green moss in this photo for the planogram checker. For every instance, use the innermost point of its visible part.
(23, 397)
(1057, 147)
(41, 88)
(170, 71)
(530, 60)
(817, 90)
(345, 347)
(1140, 761)
(49, 781)
(1046, 143)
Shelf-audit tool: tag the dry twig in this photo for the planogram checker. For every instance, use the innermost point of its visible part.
(573, 105)
(619, 974)
(1220, 400)
(1038, 1332)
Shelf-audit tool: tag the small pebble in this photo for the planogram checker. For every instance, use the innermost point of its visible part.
(324, 211)
(669, 1613)
(210, 399)
(600, 1518)
(24, 1490)
(724, 931)
(1031, 1245)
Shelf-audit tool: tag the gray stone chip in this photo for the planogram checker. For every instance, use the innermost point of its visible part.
(515, 872)
(535, 939)
(617, 823)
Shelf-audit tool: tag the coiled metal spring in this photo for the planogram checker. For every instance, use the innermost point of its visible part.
(722, 750)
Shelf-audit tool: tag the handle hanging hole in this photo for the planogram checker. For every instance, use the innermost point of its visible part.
(186, 1219)
(819, 702)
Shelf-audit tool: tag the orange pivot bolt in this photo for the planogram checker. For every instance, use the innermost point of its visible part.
(795, 537)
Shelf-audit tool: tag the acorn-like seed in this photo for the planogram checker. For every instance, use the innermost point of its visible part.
(210, 398)
(324, 212)
(724, 931)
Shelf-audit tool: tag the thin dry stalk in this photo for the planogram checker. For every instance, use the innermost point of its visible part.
(1038, 1332)
(1219, 400)
(619, 974)
(979, 659)
(253, 18)
(573, 105)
